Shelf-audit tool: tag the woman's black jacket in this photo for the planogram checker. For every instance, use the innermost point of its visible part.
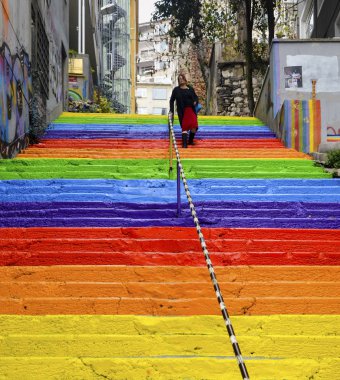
(178, 94)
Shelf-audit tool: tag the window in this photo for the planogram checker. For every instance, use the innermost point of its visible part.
(161, 47)
(148, 70)
(142, 111)
(147, 53)
(141, 93)
(159, 111)
(161, 65)
(159, 94)
(161, 29)
(40, 49)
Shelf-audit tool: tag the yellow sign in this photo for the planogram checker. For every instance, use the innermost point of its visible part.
(75, 66)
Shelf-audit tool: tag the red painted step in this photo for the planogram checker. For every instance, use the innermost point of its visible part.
(168, 246)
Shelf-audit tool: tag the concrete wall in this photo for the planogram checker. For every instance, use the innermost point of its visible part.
(16, 62)
(305, 60)
(15, 77)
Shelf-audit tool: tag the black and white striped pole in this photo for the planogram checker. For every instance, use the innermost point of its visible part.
(229, 327)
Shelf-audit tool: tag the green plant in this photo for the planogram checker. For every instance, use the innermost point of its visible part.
(104, 105)
(333, 159)
(72, 53)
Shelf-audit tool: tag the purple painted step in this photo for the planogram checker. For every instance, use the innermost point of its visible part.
(212, 214)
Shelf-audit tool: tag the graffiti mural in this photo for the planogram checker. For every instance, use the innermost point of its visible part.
(301, 125)
(333, 134)
(56, 73)
(15, 93)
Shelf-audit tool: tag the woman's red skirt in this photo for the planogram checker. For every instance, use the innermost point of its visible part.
(189, 119)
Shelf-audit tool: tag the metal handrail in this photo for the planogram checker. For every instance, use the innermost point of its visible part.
(229, 327)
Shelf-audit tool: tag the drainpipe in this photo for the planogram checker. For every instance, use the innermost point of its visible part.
(79, 26)
(83, 27)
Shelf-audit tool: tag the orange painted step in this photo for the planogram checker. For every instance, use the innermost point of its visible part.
(169, 290)
(142, 144)
(192, 152)
(165, 307)
(110, 274)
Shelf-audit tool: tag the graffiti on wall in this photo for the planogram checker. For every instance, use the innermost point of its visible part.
(56, 73)
(15, 93)
(333, 134)
(301, 125)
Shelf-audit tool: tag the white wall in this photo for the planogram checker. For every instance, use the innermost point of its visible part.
(153, 99)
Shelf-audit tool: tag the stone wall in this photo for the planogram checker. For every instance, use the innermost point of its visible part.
(232, 89)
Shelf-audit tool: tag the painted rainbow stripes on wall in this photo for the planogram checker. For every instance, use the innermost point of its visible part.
(333, 134)
(100, 278)
(302, 125)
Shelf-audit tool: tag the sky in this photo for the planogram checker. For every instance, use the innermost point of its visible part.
(146, 7)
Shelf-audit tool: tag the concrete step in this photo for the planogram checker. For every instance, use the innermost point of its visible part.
(47, 347)
(164, 144)
(211, 214)
(171, 290)
(167, 368)
(168, 246)
(43, 168)
(192, 152)
(165, 191)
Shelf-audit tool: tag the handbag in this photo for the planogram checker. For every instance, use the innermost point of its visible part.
(198, 107)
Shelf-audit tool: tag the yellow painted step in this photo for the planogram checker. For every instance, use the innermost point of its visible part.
(81, 368)
(159, 345)
(304, 325)
(131, 347)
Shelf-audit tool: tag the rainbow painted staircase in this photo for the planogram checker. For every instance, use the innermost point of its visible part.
(101, 280)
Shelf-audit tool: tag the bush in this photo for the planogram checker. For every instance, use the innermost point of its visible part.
(333, 159)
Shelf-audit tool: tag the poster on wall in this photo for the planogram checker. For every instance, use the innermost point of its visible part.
(293, 76)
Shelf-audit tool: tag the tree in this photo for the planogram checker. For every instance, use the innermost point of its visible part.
(202, 21)
(187, 24)
(269, 6)
(251, 15)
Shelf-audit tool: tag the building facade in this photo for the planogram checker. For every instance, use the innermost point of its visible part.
(85, 61)
(33, 68)
(319, 18)
(119, 34)
(157, 68)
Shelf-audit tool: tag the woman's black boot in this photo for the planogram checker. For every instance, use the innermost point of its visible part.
(191, 138)
(184, 140)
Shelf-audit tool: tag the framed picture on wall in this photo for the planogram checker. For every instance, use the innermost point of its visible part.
(293, 76)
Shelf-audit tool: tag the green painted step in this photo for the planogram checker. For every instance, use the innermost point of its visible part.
(83, 168)
(157, 168)
(112, 119)
(252, 168)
